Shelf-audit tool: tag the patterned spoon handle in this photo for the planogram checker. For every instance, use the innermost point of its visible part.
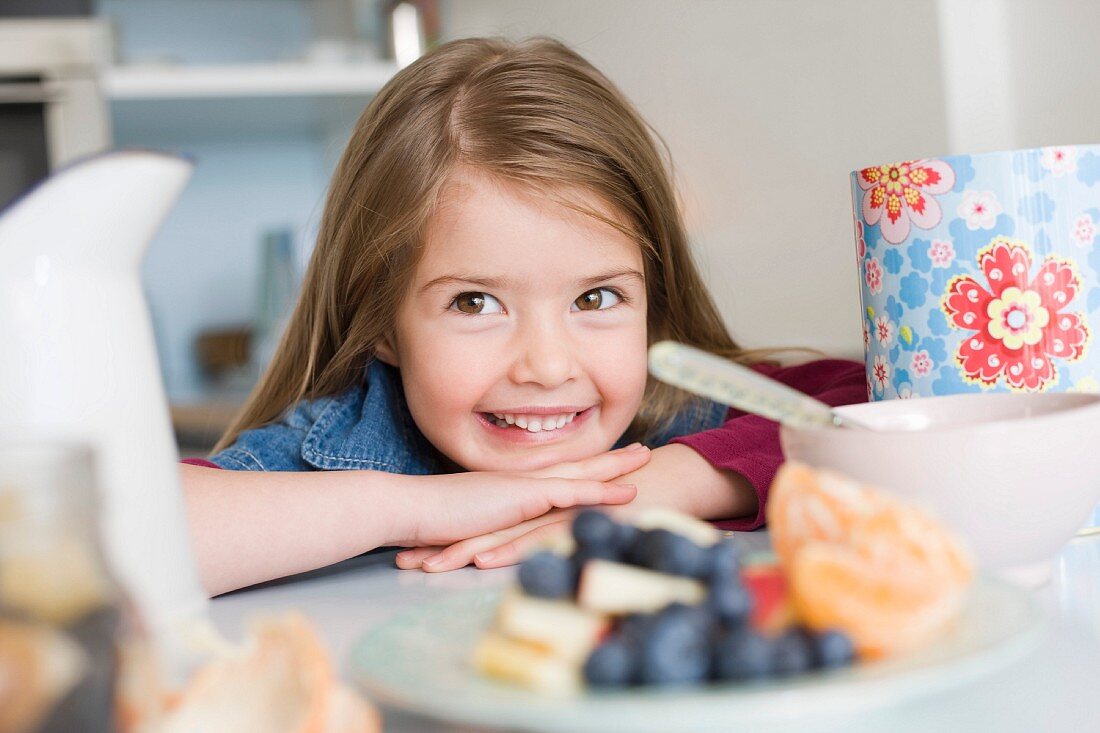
(721, 380)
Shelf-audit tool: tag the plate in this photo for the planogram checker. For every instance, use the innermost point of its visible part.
(419, 661)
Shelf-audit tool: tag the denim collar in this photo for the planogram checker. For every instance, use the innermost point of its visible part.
(370, 427)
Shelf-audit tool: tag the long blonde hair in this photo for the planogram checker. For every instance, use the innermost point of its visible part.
(532, 112)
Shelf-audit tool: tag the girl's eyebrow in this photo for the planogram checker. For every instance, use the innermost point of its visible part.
(498, 283)
(625, 272)
(494, 283)
(484, 282)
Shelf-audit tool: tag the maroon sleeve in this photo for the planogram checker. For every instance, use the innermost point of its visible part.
(200, 462)
(749, 444)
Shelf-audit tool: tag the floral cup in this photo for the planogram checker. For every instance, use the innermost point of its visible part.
(980, 272)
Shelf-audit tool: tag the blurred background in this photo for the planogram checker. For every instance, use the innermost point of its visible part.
(766, 105)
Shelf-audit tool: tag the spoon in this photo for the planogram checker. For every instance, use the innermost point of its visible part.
(705, 374)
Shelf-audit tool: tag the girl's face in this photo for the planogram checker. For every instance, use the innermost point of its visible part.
(522, 341)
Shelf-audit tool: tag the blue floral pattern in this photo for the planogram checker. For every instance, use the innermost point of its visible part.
(931, 289)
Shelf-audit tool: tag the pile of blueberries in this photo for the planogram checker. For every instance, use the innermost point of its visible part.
(680, 644)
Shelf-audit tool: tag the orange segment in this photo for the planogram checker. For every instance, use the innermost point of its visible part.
(863, 562)
(834, 588)
(899, 536)
(806, 505)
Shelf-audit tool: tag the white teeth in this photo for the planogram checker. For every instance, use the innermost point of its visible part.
(533, 423)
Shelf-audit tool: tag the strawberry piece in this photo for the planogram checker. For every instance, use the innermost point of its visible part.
(773, 610)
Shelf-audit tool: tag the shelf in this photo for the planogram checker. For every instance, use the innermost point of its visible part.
(284, 79)
(183, 105)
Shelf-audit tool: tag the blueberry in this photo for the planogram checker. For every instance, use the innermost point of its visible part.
(668, 552)
(636, 627)
(593, 528)
(698, 616)
(611, 664)
(743, 654)
(625, 537)
(597, 552)
(725, 563)
(794, 652)
(833, 649)
(731, 602)
(638, 550)
(675, 652)
(548, 575)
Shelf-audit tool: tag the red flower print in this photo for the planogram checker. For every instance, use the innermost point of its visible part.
(900, 193)
(1018, 324)
(873, 275)
(880, 372)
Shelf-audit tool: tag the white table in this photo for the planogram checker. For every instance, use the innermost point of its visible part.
(1053, 689)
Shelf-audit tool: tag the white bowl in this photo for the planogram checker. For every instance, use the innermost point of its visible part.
(1016, 475)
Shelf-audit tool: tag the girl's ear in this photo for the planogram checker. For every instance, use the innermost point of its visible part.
(386, 353)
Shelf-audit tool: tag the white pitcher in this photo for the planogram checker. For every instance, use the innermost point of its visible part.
(78, 361)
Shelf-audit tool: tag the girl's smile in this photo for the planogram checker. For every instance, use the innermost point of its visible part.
(535, 425)
(522, 340)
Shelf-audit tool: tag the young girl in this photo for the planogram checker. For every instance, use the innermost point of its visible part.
(500, 245)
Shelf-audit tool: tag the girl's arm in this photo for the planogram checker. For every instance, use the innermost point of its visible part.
(747, 446)
(721, 474)
(676, 477)
(248, 527)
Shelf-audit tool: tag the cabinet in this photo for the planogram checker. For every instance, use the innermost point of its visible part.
(265, 108)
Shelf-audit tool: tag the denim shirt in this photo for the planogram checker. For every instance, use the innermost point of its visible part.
(370, 427)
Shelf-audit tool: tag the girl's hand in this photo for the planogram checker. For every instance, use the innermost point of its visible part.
(494, 550)
(454, 507)
(677, 477)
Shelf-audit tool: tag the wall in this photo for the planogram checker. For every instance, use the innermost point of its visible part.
(767, 106)
(1054, 60)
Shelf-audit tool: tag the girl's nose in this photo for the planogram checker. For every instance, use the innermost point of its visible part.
(545, 356)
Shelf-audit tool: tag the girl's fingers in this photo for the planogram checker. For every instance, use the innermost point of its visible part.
(516, 550)
(460, 554)
(570, 492)
(603, 467)
(411, 559)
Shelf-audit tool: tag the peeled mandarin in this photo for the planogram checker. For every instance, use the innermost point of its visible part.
(807, 505)
(901, 536)
(833, 587)
(863, 562)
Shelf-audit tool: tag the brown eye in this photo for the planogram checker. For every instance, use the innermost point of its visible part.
(476, 304)
(596, 299)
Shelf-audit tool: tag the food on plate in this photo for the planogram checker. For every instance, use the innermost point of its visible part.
(863, 562)
(562, 628)
(663, 600)
(666, 599)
